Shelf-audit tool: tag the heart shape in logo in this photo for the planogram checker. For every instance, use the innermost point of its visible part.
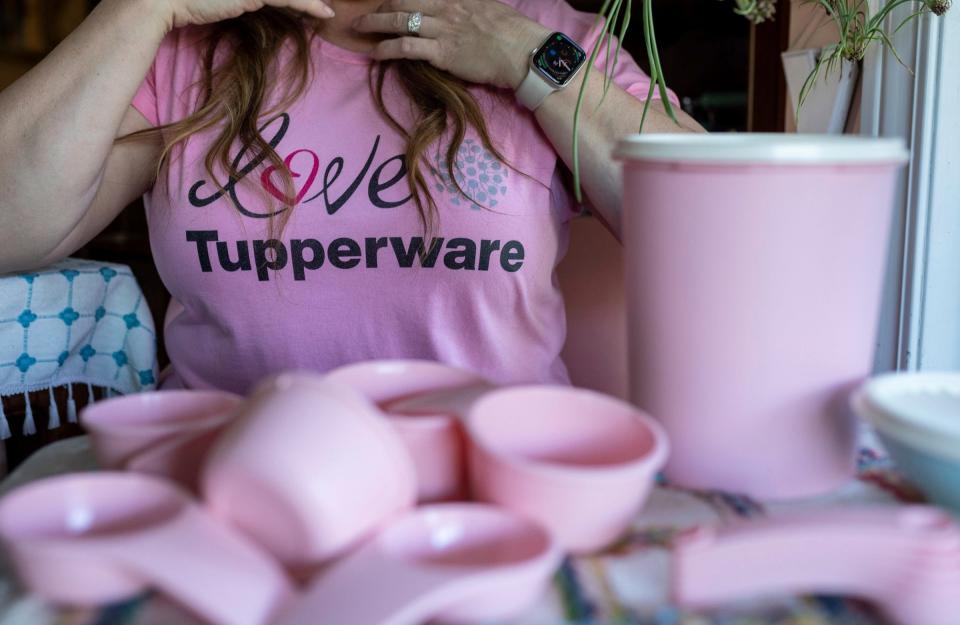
(266, 179)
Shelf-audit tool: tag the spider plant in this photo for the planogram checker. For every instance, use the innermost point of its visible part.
(757, 11)
(613, 19)
(859, 28)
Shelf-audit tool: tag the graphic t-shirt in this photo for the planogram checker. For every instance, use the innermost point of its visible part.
(351, 276)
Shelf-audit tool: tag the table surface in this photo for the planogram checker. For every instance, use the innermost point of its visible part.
(626, 585)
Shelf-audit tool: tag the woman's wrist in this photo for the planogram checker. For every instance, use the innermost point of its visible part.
(532, 34)
(160, 13)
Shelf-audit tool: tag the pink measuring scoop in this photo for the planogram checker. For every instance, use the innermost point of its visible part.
(453, 563)
(96, 538)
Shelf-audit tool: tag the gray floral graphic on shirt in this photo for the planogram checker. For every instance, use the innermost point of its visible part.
(481, 176)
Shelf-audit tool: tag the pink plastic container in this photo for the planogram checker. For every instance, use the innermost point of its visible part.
(754, 267)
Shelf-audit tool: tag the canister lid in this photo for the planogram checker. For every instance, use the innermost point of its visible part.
(922, 409)
(771, 148)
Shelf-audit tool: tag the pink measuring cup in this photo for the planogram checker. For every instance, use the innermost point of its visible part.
(906, 559)
(308, 469)
(452, 563)
(123, 427)
(579, 462)
(422, 400)
(96, 538)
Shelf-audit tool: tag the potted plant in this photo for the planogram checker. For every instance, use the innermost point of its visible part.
(859, 26)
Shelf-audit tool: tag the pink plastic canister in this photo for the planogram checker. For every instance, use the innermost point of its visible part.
(754, 269)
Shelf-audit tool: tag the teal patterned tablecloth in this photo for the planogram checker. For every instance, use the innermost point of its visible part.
(75, 322)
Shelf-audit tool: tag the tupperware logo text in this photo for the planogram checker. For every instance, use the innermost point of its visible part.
(302, 255)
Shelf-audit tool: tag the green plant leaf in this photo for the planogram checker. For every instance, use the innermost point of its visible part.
(577, 190)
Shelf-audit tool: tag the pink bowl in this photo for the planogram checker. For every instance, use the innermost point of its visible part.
(122, 427)
(579, 462)
(433, 437)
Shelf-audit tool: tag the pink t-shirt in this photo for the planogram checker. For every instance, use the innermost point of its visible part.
(343, 282)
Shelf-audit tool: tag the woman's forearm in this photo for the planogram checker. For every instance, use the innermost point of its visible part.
(600, 129)
(59, 121)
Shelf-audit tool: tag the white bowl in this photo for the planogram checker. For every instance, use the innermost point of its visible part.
(917, 416)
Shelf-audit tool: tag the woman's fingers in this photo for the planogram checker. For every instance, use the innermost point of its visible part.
(395, 23)
(409, 48)
(316, 8)
(427, 7)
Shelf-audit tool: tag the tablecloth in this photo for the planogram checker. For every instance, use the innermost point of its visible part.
(74, 322)
(627, 585)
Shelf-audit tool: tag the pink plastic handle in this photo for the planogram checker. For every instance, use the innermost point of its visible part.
(413, 387)
(208, 568)
(466, 563)
(454, 401)
(906, 559)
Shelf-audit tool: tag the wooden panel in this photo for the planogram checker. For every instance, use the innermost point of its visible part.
(768, 85)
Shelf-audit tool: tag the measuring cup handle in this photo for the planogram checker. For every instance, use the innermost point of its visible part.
(370, 589)
(455, 401)
(871, 553)
(178, 458)
(209, 569)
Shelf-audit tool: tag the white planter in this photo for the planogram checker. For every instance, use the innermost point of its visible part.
(827, 104)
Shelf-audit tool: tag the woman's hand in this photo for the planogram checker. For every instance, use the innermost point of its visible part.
(184, 12)
(480, 41)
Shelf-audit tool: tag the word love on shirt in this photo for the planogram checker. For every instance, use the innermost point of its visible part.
(302, 255)
(379, 179)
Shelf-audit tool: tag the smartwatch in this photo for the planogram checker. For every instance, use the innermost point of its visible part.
(552, 66)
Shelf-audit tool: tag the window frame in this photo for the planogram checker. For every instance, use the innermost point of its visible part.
(920, 321)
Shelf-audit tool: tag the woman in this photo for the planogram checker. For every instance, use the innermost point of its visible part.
(335, 183)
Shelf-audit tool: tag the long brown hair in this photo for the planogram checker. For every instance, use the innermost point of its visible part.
(235, 88)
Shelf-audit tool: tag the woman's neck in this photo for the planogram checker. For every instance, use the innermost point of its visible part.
(339, 31)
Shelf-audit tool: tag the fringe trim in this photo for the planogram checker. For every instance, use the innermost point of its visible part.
(4, 425)
(29, 425)
(53, 417)
(71, 405)
(53, 422)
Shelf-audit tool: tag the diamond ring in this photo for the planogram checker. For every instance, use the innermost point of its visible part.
(413, 23)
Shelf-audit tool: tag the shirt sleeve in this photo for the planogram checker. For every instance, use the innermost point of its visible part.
(145, 100)
(158, 97)
(583, 28)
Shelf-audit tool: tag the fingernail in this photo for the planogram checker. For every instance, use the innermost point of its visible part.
(327, 11)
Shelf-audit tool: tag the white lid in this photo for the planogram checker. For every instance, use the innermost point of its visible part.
(922, 409)
(781, 149)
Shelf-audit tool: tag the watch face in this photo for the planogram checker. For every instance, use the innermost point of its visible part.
(559, 58)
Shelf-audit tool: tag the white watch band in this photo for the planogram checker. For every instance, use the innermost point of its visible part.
(533, 90)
